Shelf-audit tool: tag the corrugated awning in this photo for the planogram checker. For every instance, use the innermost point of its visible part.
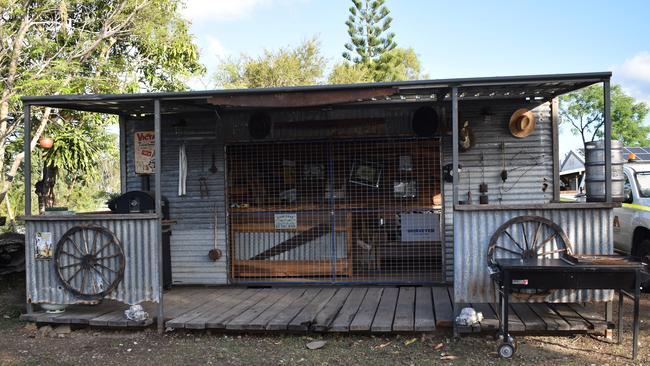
(532, 87)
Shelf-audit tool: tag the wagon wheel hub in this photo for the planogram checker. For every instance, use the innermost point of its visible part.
(88, 261)
(528, 253)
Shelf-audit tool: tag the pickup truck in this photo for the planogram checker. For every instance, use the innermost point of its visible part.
(632, 219)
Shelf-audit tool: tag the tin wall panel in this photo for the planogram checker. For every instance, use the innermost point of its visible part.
(529, 161)
(589, 232)
(195, 215)
(141, 274)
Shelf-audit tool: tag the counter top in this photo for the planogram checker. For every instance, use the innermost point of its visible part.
(89, 216)
(539, 206)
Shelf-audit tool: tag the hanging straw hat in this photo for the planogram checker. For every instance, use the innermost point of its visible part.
(522, 123)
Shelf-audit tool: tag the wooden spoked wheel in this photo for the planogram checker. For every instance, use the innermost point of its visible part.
(528, 237)
(89, 261)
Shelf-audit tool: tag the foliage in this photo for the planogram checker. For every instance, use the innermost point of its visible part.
(350, 73)
(372, 53)
(83, 46)
(396, 65)
(583, 110)
(302, 65)
(368, 25)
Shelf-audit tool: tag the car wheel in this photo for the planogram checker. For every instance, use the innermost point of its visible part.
(643, 252)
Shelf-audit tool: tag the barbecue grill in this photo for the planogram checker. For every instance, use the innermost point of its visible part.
(531, 255)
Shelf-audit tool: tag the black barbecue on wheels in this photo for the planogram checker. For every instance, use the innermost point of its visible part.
(531, 257)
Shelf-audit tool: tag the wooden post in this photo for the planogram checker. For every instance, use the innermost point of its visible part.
(157, 185)
(123, 166)
(27, 169)
(608, 141)
(454, 152)
(555, 120)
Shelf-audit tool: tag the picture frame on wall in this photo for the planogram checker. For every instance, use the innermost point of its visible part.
(365, 173)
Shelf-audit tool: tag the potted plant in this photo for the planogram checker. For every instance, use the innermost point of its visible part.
(46, 142)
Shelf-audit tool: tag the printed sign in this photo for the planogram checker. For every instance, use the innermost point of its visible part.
(43, 244)
(144, 147)
(420, 227)
(286, 221)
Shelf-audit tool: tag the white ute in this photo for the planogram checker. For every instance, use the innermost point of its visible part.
(632, 220)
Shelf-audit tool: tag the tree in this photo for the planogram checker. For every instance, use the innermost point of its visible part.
(83, 46)
(368, 25)
(302, 65)
(372, 53)
(583, 110)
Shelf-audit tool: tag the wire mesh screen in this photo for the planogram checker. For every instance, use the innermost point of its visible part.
(335, 211)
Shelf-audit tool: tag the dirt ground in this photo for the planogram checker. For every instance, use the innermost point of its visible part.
(24, 344)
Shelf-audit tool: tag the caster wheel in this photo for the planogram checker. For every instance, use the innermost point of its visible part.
(506, 350)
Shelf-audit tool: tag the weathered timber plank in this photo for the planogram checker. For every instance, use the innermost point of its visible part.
(595, 318)
(304, 319)
(490, 320)
(300, 99)
(514, 323)
(424, 318)
(214, 298)
(570, 316)
(383, 321)
(343, 319)
(405, 310)
(82, 316)
(363, 319)
(325, 317)
(241, 321)
(282, 320)
(219, 320)
(263, 319)
(185, 301)
(552, 320)
(443, 308)
(528, 317)
(221, 306)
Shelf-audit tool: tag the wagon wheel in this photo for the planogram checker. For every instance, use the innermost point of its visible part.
(528, 237)
(89, 261)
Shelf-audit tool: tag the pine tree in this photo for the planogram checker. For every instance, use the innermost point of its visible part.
(368, 26)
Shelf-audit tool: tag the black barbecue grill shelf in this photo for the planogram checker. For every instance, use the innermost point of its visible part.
(624, 275)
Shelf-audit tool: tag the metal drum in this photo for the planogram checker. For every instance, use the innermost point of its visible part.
(595, 171)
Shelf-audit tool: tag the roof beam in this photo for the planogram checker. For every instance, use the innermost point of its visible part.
(301, 98)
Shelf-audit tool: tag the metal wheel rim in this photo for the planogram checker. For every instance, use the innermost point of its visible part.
(88, 269)
(506, 350)
(528, 246)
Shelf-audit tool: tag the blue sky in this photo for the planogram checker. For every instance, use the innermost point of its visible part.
(452, 38)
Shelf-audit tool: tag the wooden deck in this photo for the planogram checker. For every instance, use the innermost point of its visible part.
(325, 309)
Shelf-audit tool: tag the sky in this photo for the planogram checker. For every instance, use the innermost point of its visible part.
(466, 38)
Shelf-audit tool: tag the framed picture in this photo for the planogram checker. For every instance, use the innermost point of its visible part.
(314, 172)
(43, 245)
(365, 174)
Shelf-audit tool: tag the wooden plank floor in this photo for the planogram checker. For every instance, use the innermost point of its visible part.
(325, 309)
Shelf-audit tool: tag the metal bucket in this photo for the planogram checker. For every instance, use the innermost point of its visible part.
(595, 171)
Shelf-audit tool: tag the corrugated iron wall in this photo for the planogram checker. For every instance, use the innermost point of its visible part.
(193, 233)
(589, 231)
(529, 162)
(141, 274)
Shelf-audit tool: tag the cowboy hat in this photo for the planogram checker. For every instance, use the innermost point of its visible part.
(522, 123)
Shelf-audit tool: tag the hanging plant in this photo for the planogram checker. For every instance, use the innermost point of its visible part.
(46, 142)
(74, 152)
